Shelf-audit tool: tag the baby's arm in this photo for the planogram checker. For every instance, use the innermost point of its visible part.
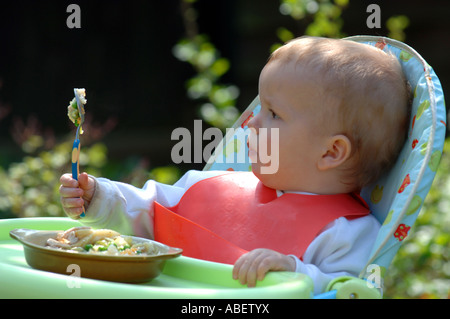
(342, 249)
(123, 207)
(103, 207)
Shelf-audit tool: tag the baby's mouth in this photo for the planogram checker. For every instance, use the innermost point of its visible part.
(252, 147)
(252, 155)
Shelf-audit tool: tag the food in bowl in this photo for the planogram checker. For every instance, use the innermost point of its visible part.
(56, 250)
(100, 241)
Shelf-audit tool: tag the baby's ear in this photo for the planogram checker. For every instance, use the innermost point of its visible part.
(337, 151)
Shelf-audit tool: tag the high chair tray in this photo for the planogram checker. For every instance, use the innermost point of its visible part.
(182, 277)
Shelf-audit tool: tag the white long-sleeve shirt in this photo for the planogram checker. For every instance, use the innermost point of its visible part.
(341, 249)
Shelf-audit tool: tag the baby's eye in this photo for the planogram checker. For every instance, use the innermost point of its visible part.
(274, 115)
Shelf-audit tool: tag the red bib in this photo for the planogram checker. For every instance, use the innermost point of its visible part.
(222, 217)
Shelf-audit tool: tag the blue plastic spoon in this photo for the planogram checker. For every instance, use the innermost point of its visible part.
(76, 144)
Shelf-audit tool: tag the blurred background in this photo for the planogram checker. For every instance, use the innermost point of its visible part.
(152, 66)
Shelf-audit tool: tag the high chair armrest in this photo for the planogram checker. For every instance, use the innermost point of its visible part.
(347, 287)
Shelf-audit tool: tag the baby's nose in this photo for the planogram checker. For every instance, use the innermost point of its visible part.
(253, 123)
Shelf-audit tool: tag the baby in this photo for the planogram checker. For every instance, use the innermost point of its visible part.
(341, 111)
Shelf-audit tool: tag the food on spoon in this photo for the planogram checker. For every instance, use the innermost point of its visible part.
(72, 109)
(100, 241)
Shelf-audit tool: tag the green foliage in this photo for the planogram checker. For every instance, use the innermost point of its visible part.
(321, 18)
(30, 188)
(396, 26)
(421, 268)
(218, 100)
(218, 107)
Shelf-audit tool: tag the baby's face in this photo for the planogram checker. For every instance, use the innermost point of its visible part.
(290, 105)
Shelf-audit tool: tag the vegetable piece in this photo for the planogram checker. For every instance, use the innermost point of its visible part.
(72, 109)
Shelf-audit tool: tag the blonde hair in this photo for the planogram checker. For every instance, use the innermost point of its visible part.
(365, 90)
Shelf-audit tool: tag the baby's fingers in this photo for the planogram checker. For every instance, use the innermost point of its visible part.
(245, 269)
(73, 212)
(67, 180)
(71, 196)
(72, 206)
(68, 192)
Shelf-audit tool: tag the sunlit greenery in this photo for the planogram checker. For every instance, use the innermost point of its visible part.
(396, 26)
(421, 268)
(29, 188)
(217, 100)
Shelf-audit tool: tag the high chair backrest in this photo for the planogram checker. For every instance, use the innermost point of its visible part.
(396, 198)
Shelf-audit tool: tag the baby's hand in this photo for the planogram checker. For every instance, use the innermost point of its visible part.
(255, 264)
(75, 194)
